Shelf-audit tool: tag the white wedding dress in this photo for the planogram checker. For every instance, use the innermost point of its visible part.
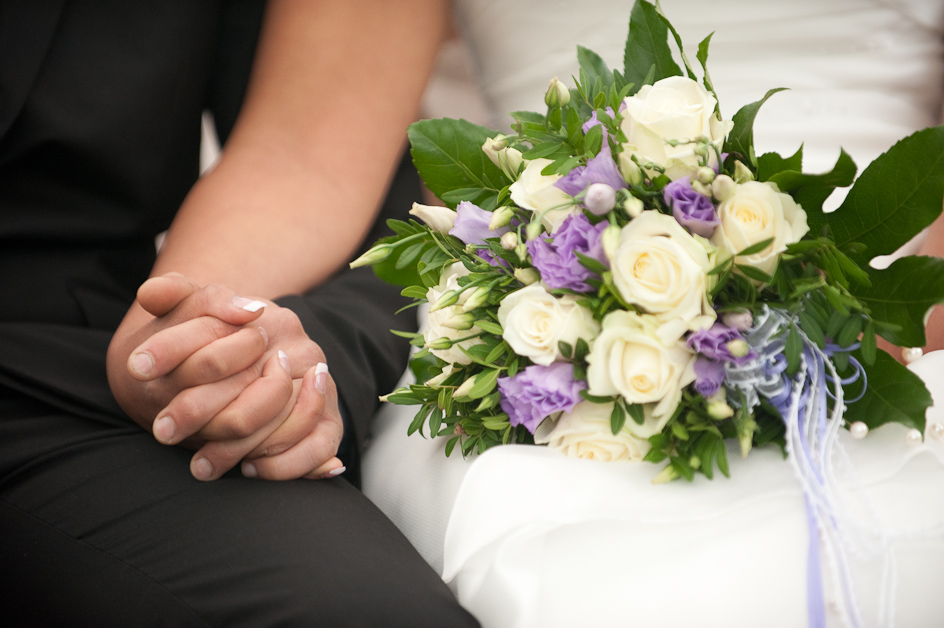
(528, 538)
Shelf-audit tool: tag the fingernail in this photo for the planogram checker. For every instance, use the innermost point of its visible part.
(201, 469)
(283, 359)
(333, 473)
(321, 378)
(249, 305)
(265, 335)
(142, 363)
(249, 470)
(164, 429)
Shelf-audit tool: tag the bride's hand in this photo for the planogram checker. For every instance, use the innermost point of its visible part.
(230, 385)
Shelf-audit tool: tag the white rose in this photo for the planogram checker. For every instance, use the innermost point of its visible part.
(585, 433)
(439, 219)
(435, 324)
(675, 108)
(662, 268)
(630, 359)
(536, 191)
(535, 321)
(755, 212)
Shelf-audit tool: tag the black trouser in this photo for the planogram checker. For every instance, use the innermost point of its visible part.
(102, 526)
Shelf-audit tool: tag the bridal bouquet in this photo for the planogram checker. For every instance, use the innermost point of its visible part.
(624, 278)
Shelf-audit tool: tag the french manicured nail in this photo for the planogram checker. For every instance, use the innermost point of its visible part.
(249, 305)
(249, 470)
(164, 429)
(142, 363)
(265, 335)
(283, 359)
(321, 378)
(201, 469)
(333, 473)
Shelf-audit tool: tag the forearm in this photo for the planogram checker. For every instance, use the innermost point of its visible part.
(334, 86)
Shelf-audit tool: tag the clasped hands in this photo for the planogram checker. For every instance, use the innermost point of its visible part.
(235, 378)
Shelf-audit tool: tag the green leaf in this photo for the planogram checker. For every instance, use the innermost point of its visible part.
(702, 56)
(594, 66)
(850, 331)
(893, 394)
(770, 164)
(592, 264)
(678, 41)
(810, 190)
(566, 349)
(647, 48)
(793, 349)
(448, 156)
(741, 138)
(489, 326)
(755, 248)
(617, 418)
(902, 294)
(636, 412)
(897, 195)
(451, 444)
(484, 383)
(754, 273)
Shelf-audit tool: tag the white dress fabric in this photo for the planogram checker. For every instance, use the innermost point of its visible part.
(529, 538)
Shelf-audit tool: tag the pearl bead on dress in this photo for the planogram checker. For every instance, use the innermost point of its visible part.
(859, 430)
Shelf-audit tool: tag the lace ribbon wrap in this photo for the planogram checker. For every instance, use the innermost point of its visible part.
(812, 405)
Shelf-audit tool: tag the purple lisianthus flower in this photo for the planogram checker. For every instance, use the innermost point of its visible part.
(471, 227)
(600, 169)
(556, 259)
(715, 343)
(471, 224)
(692, 210)
(593, 121)
(709, 374)
(538, 392)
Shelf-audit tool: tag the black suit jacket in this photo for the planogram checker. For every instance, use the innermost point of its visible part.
(100, 108)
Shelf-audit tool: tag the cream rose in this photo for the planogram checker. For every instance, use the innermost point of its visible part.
(675, 108)
(754, 213)
(435, 322)
(585, 433)
(631, 358)
(535, 321)
(536, 191)
(662, 268)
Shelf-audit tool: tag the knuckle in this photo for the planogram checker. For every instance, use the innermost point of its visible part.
(187, 408)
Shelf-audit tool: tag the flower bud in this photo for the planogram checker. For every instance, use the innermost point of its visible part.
(629, 169)
(440, 344)
(610, 240)
(522, 252)
(741, 320)
(501, 217)
(535, 228)
(465, 388)
(702, 149)
(503, 156)
(738, 348)
(633, 207)
(720, 410)
(557, 94)
(705, 174)
(439, 219)
(509, 241)
(450, 297)
(742, 173)
(478, 296)
(460, 321)
(701, 188)
(434, 382)
(376, 254)
(527, 276)
(666, 475)
(599, 198)
(722, 188)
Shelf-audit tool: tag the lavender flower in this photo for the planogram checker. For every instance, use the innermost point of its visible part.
(600, 169)
(720, 342)
(709, 374)
(538, 392)
(692, 210)
(556, 259)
